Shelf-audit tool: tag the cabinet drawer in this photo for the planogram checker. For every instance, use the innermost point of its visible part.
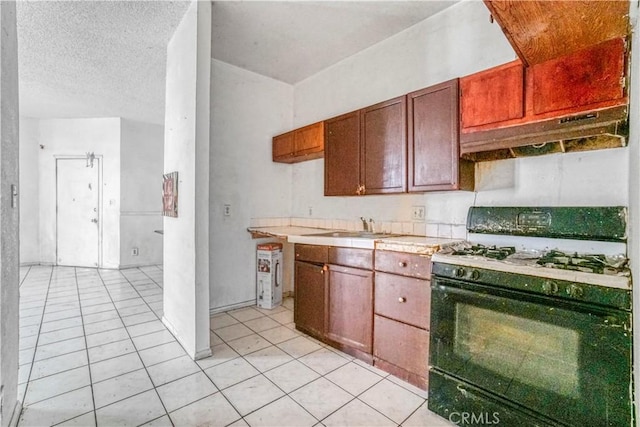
(403, 298)
(402, 345)
(312, 253)
(413, 265)
(351, 257)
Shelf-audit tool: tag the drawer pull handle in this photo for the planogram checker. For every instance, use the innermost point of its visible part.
(402, 264)
(402, 299)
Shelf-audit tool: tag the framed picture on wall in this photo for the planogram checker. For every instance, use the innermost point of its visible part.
(170, 194)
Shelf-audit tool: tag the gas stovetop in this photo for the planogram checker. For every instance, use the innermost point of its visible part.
(587, 263)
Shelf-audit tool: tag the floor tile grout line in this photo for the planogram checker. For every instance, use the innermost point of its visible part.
(26, 389)
(86, 347)
(354, 397)
(141, 361)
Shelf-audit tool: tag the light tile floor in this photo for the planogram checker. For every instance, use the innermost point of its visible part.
(93, 351)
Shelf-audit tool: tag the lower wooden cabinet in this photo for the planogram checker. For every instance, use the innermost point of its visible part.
(402, 314)
(350, 307)
(381, 318)
(309, 304)
(402, 350)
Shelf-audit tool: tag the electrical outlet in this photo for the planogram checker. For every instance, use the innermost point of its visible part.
(417, 213)
(134, 251)
(310, 210)
(226, 211)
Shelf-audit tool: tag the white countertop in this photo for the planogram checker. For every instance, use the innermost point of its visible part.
(621, 282)
(415, 244)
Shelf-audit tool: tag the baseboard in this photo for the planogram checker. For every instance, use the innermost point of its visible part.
(122, 266)
(217, 310)
(195, 356)
(36, 263)
(202, 354)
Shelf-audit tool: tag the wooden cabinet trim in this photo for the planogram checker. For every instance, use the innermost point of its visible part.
(351, 257)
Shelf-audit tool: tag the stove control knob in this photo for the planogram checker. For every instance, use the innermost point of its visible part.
(575, 291)
(474, 275)
(459, 272)
(550, 287)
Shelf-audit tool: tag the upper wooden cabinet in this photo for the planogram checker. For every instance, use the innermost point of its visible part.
(433, 145)
(492, 96)
(540, 30)
(590, 76)
(366, 150)
(384, 147)
(575, 102)
(342, 155)
(302, 144)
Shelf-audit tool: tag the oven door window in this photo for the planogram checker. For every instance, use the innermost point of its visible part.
(563, 360)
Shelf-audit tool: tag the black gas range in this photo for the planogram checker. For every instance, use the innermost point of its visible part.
(530, 325)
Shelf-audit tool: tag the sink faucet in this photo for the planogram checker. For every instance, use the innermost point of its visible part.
(372, 225)
(365, 226)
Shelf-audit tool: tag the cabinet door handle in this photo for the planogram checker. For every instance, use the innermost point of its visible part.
(402, 299)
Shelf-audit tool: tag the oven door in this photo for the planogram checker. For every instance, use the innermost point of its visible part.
(567, 361)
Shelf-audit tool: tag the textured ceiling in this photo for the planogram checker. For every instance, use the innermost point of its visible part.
(292, 40)
(94, 58)
(107, 58)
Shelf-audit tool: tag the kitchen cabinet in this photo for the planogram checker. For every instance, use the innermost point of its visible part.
(493, 96)
(342, 155)
(433, 141)
(401, 315)
(350, 300)
(298, 145)
(384, 147)
(334, 296)
(310, 288)
(575, 102)
(366, 150)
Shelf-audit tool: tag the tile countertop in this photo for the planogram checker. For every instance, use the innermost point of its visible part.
(411, 244)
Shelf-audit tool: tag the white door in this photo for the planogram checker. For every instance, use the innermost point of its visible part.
(77, 199)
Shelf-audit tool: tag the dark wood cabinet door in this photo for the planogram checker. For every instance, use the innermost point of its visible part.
(384, 147)
(342, 155)
(310, 298)
(282, 148)
(433, 140)
(402, 345)
(586, 77)
(492, 96)
(350, 307)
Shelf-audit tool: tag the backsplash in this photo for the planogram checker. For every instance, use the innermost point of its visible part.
(455, 231)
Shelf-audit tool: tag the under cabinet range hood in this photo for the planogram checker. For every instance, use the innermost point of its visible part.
(607, 128)
(576, 102)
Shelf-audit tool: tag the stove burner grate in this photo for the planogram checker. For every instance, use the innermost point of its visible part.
(495, 252)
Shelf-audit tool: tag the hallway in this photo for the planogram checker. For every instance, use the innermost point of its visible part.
(94, 351)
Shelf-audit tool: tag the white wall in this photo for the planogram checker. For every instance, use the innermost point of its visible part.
(75, 137)
(9, 216)
(186, 150)
(457, 42)
(28, 192)
(247, 111)
(141, 166)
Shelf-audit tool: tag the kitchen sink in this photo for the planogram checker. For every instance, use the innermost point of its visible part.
(356, 234)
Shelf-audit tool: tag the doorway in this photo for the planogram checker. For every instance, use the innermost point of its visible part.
(78, 221)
